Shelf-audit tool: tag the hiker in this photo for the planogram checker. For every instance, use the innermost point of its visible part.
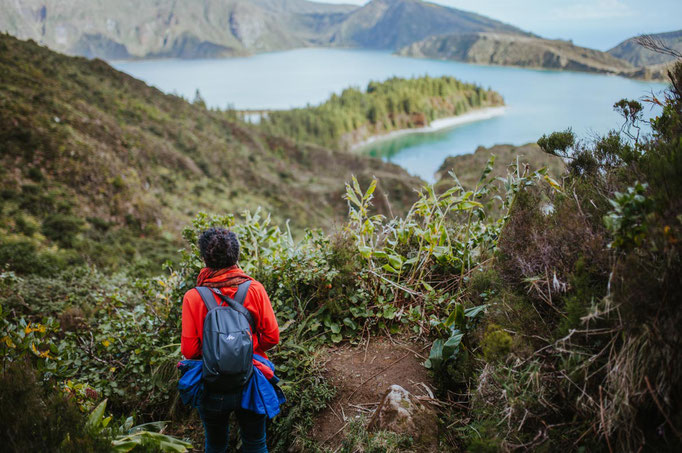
(222, 395)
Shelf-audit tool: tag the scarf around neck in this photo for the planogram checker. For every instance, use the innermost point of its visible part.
(220, 278)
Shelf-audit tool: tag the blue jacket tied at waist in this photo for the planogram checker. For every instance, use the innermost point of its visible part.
(261, 394)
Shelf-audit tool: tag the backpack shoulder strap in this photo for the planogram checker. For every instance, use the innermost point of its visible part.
(236, 306)
(242, 290)
(207, 296)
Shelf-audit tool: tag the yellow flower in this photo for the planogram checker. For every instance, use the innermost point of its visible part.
(43, 355)
(8, 341)
(40, 328)
(106, 343)
(112, 369)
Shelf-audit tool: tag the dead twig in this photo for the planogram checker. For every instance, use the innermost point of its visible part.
(336, 433)
(603, 424)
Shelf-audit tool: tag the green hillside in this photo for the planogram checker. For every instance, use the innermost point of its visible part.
(98, 166)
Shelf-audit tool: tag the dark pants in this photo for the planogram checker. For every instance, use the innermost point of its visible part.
(215, 412)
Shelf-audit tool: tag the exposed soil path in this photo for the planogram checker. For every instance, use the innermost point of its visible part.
(362, 374)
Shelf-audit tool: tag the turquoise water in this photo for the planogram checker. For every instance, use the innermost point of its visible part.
(538, 101)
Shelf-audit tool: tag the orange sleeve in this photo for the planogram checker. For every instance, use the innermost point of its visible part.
(190, 342)
(268, 330)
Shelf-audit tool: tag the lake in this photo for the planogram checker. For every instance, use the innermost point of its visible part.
(538, 101)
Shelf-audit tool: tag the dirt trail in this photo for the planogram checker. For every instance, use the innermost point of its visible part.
(361, 375)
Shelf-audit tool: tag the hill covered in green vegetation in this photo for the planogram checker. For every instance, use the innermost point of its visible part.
(99, 167)
(355, 115)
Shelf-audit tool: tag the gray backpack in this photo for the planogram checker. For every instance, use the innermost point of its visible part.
(227, 348)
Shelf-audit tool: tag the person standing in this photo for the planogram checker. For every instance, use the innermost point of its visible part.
(219, 250)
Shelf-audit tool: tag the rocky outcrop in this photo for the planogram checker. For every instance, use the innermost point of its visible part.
(524, 51)
(402, 413)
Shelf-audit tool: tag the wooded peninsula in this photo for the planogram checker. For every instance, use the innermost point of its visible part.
(355, 115)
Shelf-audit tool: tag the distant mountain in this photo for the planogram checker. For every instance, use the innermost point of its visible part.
(630, 51)
(167, 28)
(219, 28)
(523, 51)
(392, 24)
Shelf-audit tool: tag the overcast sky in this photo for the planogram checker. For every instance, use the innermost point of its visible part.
(593, 23)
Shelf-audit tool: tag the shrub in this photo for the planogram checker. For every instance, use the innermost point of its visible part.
(35, 418)
(63, 229)
(496, 343)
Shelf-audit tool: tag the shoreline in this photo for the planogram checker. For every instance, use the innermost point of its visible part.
(436, 125)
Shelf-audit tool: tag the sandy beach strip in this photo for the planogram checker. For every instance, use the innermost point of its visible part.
(436, 125)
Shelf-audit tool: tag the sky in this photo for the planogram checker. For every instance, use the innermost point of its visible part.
(600, 24)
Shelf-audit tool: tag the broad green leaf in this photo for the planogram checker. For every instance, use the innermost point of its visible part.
(365, 251)
(451, 346)
(555, 185)
(436, 354)
(389, 312)
(474, 311)
(349, 322)
(124, 446)
(488, 168)
(389, 268)
(336, 337)
(460, 323)
(335, 328)
(395, 261)
(370, 190)
(128, 423)
(95, 417)
(451, 319)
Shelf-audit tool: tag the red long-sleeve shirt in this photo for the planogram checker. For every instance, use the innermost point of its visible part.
(256, 301)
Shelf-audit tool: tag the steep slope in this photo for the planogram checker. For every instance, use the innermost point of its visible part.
(166, 28)
(85, 149)
(630, 51)
(524, 51)
(391, 24)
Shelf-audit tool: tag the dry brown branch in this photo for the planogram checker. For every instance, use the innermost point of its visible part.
(657, 45)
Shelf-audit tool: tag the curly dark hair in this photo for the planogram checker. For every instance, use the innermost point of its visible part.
(219, 248)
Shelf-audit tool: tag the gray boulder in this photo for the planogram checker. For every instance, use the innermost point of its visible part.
(401, 412)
